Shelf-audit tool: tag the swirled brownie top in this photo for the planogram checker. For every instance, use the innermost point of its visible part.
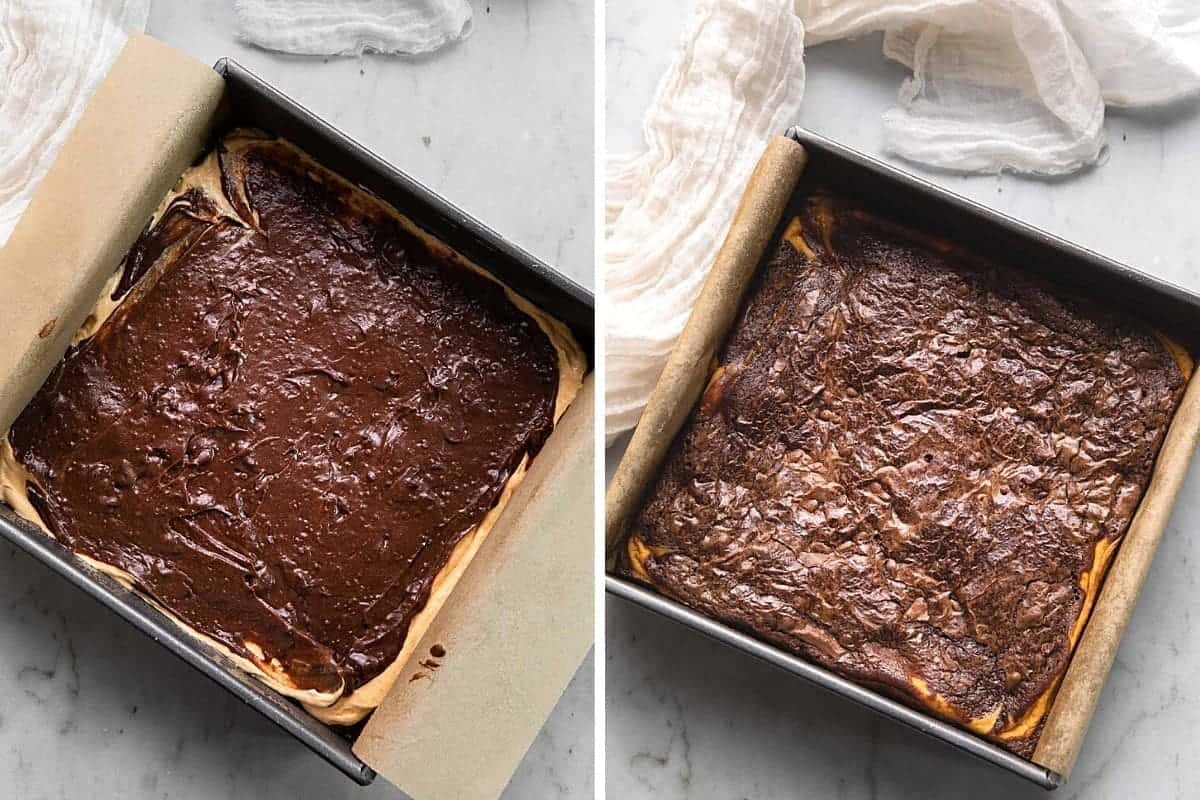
(285, 436)
(911, 466)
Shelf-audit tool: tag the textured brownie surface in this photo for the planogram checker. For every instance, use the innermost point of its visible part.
(910, 466)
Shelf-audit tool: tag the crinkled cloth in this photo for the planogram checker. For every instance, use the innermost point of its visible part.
(53, 54)
(997, 84)
(737, 78)
(351, 27)
(1018, 84)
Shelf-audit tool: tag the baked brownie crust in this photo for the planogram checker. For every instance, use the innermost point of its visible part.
(910, 466)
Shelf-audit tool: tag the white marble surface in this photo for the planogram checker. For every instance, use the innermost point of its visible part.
(690, 718)
(502, 125)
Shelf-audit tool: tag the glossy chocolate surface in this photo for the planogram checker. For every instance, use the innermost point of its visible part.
(285, 437)
(903, 466)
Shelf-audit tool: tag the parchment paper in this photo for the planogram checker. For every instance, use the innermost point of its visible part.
(513, 633)
(146, 122)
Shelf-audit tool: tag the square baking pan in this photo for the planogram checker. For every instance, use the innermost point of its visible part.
(781, 176)
(249, 101)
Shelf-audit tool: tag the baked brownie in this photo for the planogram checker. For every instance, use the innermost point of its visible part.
(911, 466)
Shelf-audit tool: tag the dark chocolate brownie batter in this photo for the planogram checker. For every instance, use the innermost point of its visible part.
(903, 465)
(285, 437)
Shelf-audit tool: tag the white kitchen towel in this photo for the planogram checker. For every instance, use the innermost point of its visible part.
(1018, 84)
(996, 85)
(735, 81)
(53, 54)
(352, 27)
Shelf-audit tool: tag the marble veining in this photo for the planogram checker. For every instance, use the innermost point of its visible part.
(689, 718)
(501, 124)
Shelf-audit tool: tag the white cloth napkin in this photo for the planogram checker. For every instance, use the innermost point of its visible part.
(735, 80)
(1018, 84)
(53, 54)
(352, 27)
(997, 85)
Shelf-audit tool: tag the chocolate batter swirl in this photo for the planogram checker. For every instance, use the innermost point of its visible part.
(302, 415)
(910, 466)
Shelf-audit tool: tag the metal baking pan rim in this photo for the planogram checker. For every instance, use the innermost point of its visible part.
(823, 678)
(339, 144)
(231, 68)
(150, 621)
(1010, 224)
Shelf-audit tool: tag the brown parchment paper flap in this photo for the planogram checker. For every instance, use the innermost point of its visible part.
(1067, 723)
(512, 634)
(519, 622)
(147, 121)
(687, 368)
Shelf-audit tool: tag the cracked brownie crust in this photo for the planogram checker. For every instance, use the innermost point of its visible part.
(911, 466)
